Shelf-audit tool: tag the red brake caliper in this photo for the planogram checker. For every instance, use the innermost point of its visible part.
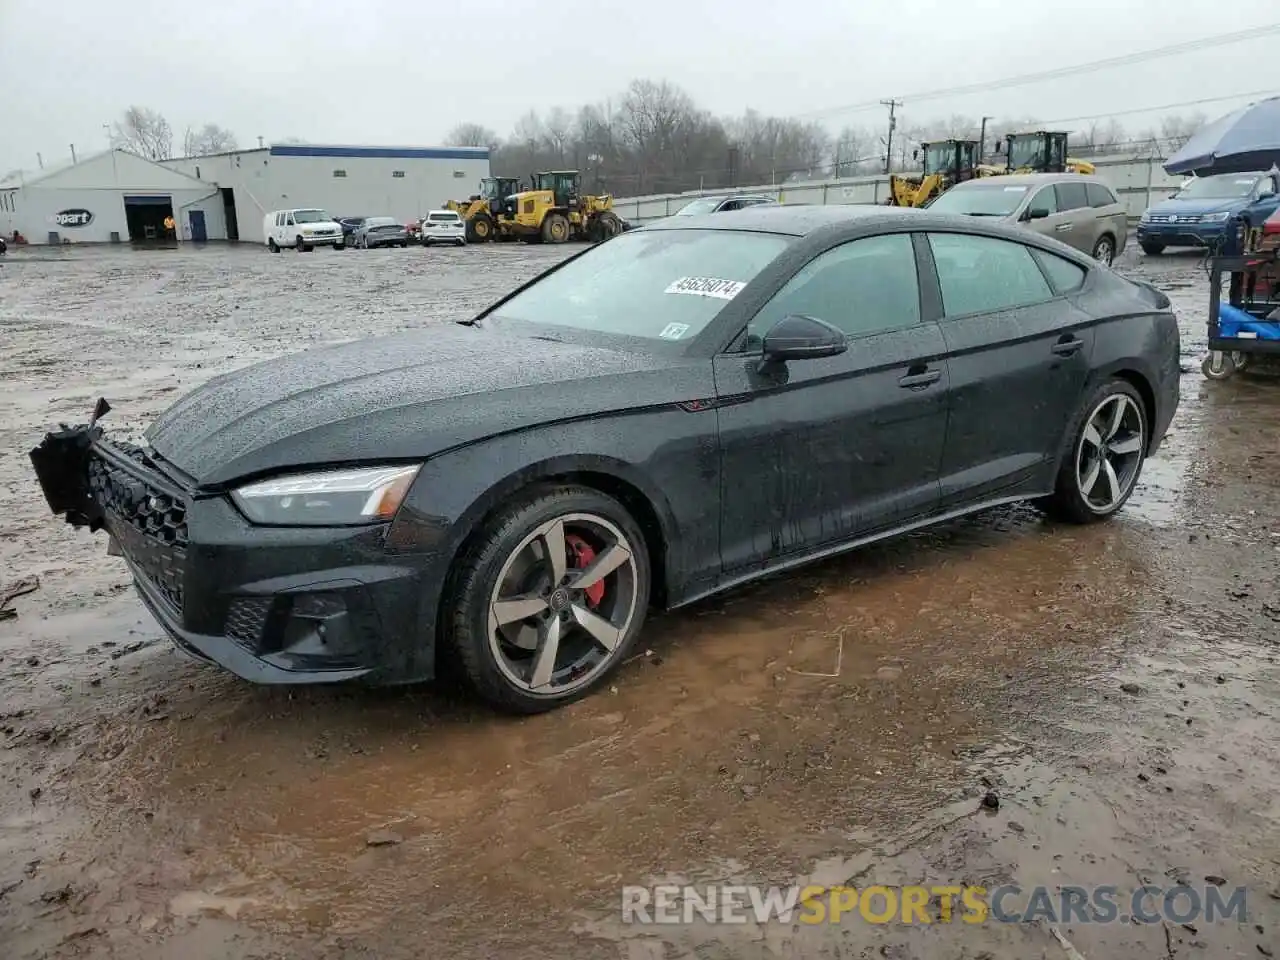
(581, 554)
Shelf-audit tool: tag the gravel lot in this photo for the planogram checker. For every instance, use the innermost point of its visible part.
(1116, 686)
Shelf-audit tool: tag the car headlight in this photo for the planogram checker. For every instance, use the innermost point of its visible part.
(1146, 216)
(1215, 217)
(328, 498)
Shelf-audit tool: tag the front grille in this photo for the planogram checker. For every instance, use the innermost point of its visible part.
(148, 522)
(246, 619)
(1175, 218)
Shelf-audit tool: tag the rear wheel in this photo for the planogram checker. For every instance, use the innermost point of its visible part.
(1152, 249)
(555, 228)
(549, 599)
(272, 245)
(1108, 447)
(1104, 251)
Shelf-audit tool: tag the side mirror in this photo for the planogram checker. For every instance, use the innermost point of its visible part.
(1037, 213)
(797, 337)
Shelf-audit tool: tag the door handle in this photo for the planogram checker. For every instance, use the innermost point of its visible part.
(919, 378)
(1063, 227)
(1065, 348)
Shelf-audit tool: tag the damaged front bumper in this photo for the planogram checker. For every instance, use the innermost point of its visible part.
(270, 604)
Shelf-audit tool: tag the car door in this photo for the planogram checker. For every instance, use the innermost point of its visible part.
(1111, 214)
(1082, 230)
(1018, 354)
(829, 449)
(1041, 214)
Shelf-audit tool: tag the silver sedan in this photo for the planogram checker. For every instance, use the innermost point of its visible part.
(380, 232)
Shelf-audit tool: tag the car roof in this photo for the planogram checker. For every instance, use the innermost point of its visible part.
(1026, 180)
(795, 220)
(731, 196)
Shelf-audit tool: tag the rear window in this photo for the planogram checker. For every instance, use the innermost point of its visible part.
(657, 285)
(382, 222)
(442, 217)
(1099, 195)
(1063, 274)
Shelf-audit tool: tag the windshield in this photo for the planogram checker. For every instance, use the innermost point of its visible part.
(1224, 186)
(659, 284)
(1026, 152)
(980, 200)
(310, 216)
(695, 207)
(489, 189)
(939, 157)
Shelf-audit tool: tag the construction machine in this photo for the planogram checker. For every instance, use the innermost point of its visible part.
(555, 211)
(946, 163)
(486, 210)
(1043, 151)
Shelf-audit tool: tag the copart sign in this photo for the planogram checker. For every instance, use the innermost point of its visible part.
(73, 218)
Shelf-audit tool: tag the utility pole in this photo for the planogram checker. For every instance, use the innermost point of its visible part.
(893, 123)
(982, 139)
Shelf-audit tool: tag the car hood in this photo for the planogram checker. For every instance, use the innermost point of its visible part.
(403, 397)
(1198, 206)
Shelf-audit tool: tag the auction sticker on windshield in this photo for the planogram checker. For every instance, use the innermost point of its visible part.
(674, 331)
(706, 287)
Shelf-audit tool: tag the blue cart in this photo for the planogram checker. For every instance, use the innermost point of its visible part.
(1247, 325)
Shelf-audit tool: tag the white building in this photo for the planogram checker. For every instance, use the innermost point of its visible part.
(113, 196)
(345, 181)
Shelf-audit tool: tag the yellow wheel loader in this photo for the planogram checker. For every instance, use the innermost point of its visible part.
(946, 163)
(555, 211)
(485, 211)
(1043, 151)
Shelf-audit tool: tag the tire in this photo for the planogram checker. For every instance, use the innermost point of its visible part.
(298, 244)
(1078, 499)
(500, 663)
(1218, 365)
(364, 243)
(405, 245)
(1152, 249)
(607, 226)
(339, 246)
(480, 228)
(1104, 251)
(462, 243)
(272, 245)
(555, 228)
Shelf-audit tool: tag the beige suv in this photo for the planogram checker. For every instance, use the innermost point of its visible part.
(1081, 211)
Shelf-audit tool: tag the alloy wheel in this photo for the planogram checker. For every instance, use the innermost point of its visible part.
(1110, 453)
(563, 604)
(1105, 251)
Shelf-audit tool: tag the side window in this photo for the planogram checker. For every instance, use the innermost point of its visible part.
(1099, 195)
(279, 219)
(1063, 274)
(862, 287)
(1046, 199)
(983, 274)
(729, 205)
(288, 220)
(1071, 196)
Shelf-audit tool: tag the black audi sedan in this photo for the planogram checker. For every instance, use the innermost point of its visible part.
(689, 406)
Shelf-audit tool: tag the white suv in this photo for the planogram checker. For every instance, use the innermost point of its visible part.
(443, 226)
(301, 229)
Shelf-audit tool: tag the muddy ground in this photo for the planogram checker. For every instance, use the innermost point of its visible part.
(1116, 686)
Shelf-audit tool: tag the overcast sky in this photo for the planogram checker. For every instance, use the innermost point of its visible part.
(284, 68)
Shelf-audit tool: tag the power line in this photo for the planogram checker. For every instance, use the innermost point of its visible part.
(1141, 56)
(1166, 106)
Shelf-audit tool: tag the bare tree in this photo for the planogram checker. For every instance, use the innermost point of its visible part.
(210, 138)
(1176, 129)
(144, 132)
(473, 135)
(558, 133)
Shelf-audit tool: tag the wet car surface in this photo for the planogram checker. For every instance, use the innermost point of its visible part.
(1116, 686)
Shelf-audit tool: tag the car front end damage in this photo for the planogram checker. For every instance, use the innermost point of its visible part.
(272, 604)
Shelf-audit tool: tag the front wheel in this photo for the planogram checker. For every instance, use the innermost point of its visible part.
(549, 599)
(272, 245)
(1108, 445)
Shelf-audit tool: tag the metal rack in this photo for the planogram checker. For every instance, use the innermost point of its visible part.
(1228, 354)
